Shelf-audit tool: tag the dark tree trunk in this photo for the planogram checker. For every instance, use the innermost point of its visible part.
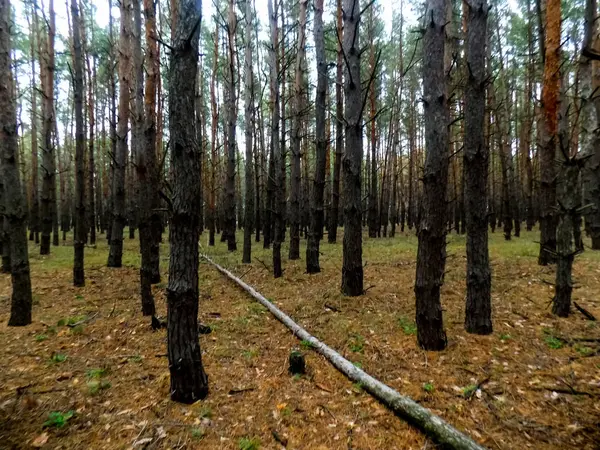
(352, 268)
(48, 198)
(276, 156)
(34, 214)
(189, 382)
(15, 206)
(249, 131)
(230, 219)
(80, 217)
(91, 79)
(119, 210)
(334, 215)
(317, 207)
(550, 90)
(478, 312)
(431, 254)
(212, 207)
(296, 141)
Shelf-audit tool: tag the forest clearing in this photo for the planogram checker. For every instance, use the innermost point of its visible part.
(522, 386)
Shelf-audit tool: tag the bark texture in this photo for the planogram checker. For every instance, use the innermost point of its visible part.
(431, 253)
(189, 382)
(249, 131)
(14, 206)
(550, 92)
(317, 208)
(478, 312)
(115, 255)
(80, 217)
(352, 268)
(230, 219)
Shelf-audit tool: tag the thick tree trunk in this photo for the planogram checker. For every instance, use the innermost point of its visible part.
(550, 90)
(295, 173)
(80, 216)
(48, 198)
(317, 207)
(352, 268)
(15, 206)
(189, 382)
(334, 215)
(249, 131)
(115, 255)
(478, 311)
(431, 254)
(212, 206)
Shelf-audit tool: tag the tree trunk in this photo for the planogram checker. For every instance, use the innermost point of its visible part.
(431, 254)
(91, 80)
(212, 207)
(334, 215)
(189, 382)
(14, 207)
(115, 255)
(34, 214)
(249, 131)
(276, 156)
(352, 268)
(295, 173)
(548, 145)
(48, 199)
(317, 207)
(80, 217)
(230, 220)
(478, 311)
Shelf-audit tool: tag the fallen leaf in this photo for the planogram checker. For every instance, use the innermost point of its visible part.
(39, 441)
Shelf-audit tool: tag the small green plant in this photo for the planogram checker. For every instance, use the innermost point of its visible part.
(553, 342)
(58, 419)
(95, 386)
(408, 326)
(197, 433)
(469, 390)
(357, 343)
(250, 354)
(358, 364)
(428, 387)
(69, 321)
(286, 412)
(78, 329)
(136, 359)
(583, 350)
(297, 377)
(58, 358)
(79, 297)
(247, 443)
(505, 337)
(358, 386)
(97, 373)
(306, 345)
(41, 337)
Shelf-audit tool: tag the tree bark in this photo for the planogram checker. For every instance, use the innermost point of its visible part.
(317, 207)
(478, 311)
(80, 216)
(352, 268)
(34, 214)
(230, 219)
(249, 131)
(48, 198)
(334, 215)
(295, 173)
(189, 382)
(431, 254)
(14, 207)
(550, 90)
(115, 256)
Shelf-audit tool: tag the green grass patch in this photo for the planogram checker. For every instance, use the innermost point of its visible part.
(41, 337)
(306, 345)
(247, 443)
(356, 343)
(428, 387)
(57, 419)
(58, 358)
(407, 326)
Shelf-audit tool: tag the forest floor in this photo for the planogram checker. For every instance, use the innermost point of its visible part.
(533, 383)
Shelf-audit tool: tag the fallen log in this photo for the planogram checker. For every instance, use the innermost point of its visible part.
(432, 425)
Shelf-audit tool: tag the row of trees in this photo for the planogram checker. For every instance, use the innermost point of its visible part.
(456, 132)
